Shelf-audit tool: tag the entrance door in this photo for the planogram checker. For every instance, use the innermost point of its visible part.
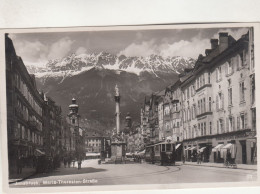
(243, 145)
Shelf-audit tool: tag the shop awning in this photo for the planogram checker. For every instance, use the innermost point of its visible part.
(141, 153)
(202, 149)
(228, 146)
(188, 148)
(177, 146)
(218, 147)
(38, 152)
(193, 148)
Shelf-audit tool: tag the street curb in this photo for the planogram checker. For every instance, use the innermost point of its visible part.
(220, 167)
(22, 179)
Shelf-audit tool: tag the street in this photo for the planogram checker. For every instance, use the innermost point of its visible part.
(136, 173)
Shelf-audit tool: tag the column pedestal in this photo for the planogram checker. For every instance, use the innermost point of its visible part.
(118, 152)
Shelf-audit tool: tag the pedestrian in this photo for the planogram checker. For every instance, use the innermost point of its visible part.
(79, 164)
(73, 163)
(69, 162)
(199, 157)
(65, 162)
(228, 157)
(19, 165)
(173, 157)
(183, 158)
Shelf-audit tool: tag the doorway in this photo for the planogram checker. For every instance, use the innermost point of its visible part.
(243, 145)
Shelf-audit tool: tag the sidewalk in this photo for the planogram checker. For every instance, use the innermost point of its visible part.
(26, 172)
(220, 165)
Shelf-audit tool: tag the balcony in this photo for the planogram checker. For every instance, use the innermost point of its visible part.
(204, 114)
(19, 112)
(204, 86)
(33, 125)
(167, 117)
(176, 115)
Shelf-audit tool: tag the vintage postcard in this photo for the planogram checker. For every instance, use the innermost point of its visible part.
(130, 107)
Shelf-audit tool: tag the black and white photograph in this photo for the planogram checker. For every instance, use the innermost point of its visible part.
(136, 105)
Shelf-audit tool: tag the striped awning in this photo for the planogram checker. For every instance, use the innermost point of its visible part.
(228, 146)
(193, 148)
(188, 148)
(202, 149)
(217, 148)
(177, 146)
(38, 152)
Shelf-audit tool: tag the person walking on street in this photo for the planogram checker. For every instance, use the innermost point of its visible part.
(183, 158)
(199, 157)
(19, 165)
(79, 164)
(65, 162)
(69, 162)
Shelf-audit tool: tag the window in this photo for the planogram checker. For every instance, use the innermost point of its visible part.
(209, 104)
(209, 77)
(218, 72)
(168, 147)
(253, 90)
(229, 96)
(198, 128)
(210, 128)
(220, 101)
(204, 105)
(242, 91)
(254, 119)
(242, 121)
(229, 68)
(230, 124)
(199, 107)
(221, 126)
(205, 129)
(163, 147)
(252, 58)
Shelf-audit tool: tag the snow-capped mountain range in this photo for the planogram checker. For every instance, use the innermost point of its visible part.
(76, 64)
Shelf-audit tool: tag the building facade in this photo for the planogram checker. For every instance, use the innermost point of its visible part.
(24, 110)
(34, 122)
(214, 103)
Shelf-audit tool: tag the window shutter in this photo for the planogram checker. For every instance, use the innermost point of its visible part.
(245, 120)
(238, 122)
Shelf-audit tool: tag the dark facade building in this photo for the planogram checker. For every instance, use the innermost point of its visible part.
(24, 111)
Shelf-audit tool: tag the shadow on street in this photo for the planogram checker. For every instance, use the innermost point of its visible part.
(69, 171)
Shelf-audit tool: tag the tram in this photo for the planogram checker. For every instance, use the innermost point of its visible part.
(163, 153)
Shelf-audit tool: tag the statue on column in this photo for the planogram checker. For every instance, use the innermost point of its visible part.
(117, 90)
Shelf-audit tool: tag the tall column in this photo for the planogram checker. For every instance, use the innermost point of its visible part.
(117, 100)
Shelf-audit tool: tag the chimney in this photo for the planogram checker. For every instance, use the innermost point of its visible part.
(214, 43)
(223, 41)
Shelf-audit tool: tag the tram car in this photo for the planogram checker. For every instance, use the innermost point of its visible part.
(163, 153)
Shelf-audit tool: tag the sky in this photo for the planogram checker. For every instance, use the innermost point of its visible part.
(39, 48)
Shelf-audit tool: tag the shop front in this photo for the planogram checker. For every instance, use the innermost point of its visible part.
(179, 151)
(190, 151)
(205, 148)
(241, 145)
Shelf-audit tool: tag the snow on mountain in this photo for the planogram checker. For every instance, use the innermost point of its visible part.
(76, 64)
